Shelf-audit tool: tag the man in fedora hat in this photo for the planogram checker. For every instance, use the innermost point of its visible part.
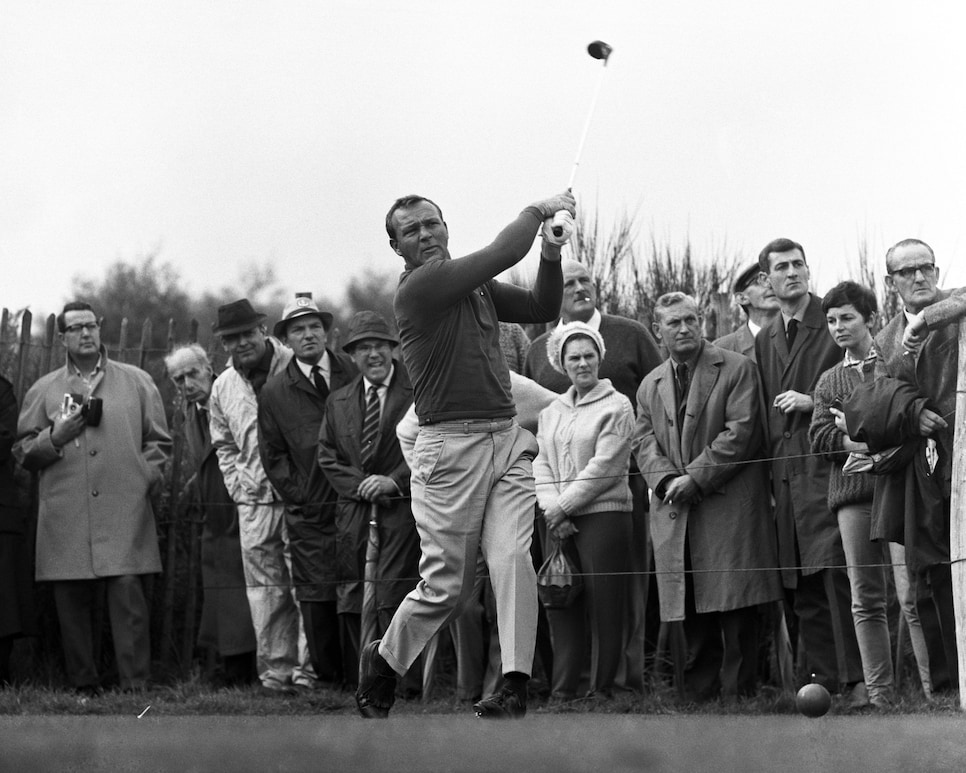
(283, 661)
(289, 416)
(758, 302)
(360, 455)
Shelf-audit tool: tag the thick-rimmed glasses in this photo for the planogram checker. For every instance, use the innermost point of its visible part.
(90, 327)
(909, 272)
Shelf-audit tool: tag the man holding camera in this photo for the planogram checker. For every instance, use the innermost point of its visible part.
(97, 430)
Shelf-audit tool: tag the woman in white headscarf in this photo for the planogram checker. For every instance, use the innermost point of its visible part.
(581, 475)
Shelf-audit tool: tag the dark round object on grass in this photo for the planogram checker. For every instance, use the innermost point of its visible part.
(813, 700)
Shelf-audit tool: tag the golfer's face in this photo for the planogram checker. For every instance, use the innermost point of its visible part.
(421, 234)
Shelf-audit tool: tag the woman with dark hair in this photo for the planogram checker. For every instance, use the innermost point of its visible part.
(581, 476)
(850, 311)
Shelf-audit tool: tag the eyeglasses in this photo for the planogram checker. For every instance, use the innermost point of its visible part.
(90, 327)
(909, 272)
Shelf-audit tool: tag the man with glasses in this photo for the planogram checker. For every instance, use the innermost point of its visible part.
(920, 346)
(96, 430)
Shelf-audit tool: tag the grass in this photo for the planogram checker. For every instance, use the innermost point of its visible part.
(196, 698)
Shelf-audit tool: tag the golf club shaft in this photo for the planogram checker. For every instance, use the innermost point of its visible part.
(583, 137)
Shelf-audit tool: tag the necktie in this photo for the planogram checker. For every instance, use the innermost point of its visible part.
(319, 380)
(790, 332)
(370, 427)
(684, 385)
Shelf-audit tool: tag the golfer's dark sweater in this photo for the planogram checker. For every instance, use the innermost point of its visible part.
(826, 439)
(448, 311)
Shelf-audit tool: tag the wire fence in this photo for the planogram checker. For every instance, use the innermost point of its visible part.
(25, 357)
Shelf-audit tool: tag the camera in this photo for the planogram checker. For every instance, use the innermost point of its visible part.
(91, 409)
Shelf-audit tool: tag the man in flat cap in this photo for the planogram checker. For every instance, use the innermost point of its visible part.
(758, 302)
(283, 661)
(290, 413)
(360, 454)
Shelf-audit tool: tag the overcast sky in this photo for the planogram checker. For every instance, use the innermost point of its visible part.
(227, 132)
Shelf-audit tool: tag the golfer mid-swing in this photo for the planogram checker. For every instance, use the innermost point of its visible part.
(472, 476)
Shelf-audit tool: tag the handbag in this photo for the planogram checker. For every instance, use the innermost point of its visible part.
(558, 583)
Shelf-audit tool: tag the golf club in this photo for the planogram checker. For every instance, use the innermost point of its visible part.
(598, 49)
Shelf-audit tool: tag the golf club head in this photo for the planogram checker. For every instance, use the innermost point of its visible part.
(599, 50)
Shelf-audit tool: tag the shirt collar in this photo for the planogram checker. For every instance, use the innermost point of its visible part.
(691, 361)
(323, 364)
(72, 367)
(850, 362)
(754, 328)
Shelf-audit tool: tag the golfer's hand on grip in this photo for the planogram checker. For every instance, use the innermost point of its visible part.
(562, 201)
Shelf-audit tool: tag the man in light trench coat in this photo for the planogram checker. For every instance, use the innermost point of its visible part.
(97, 474)
(697, 438)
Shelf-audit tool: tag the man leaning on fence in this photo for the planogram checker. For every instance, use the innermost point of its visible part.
(226, 621)
(95, 431)
(283, 659)
(918, 356)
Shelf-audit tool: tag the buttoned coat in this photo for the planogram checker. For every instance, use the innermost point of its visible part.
(741, 340)
(730, 531)
(799, 478)
(340, 458)
(95, 517)
(290, 414)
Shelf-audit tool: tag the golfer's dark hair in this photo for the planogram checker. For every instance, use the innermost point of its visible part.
(907, 243)
(845, 293)
(673, 299)
(403, 203)
(778, 245)
(71, 306)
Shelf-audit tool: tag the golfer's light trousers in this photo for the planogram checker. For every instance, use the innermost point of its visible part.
(472, 488)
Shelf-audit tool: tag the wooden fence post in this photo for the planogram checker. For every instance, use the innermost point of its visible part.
(47, 346)
(957, 516)
(145, 345)
(23, 353)
(4, 321)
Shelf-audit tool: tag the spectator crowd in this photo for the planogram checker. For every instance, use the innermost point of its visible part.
(759, 499)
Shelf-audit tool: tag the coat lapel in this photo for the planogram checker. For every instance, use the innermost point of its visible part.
(666, 391)
(706, 371)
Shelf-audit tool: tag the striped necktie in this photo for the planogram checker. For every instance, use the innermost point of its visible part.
(370, 427)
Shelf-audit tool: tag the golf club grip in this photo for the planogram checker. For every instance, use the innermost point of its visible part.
(557, 230)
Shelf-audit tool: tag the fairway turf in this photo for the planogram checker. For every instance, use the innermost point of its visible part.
(537, 744)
